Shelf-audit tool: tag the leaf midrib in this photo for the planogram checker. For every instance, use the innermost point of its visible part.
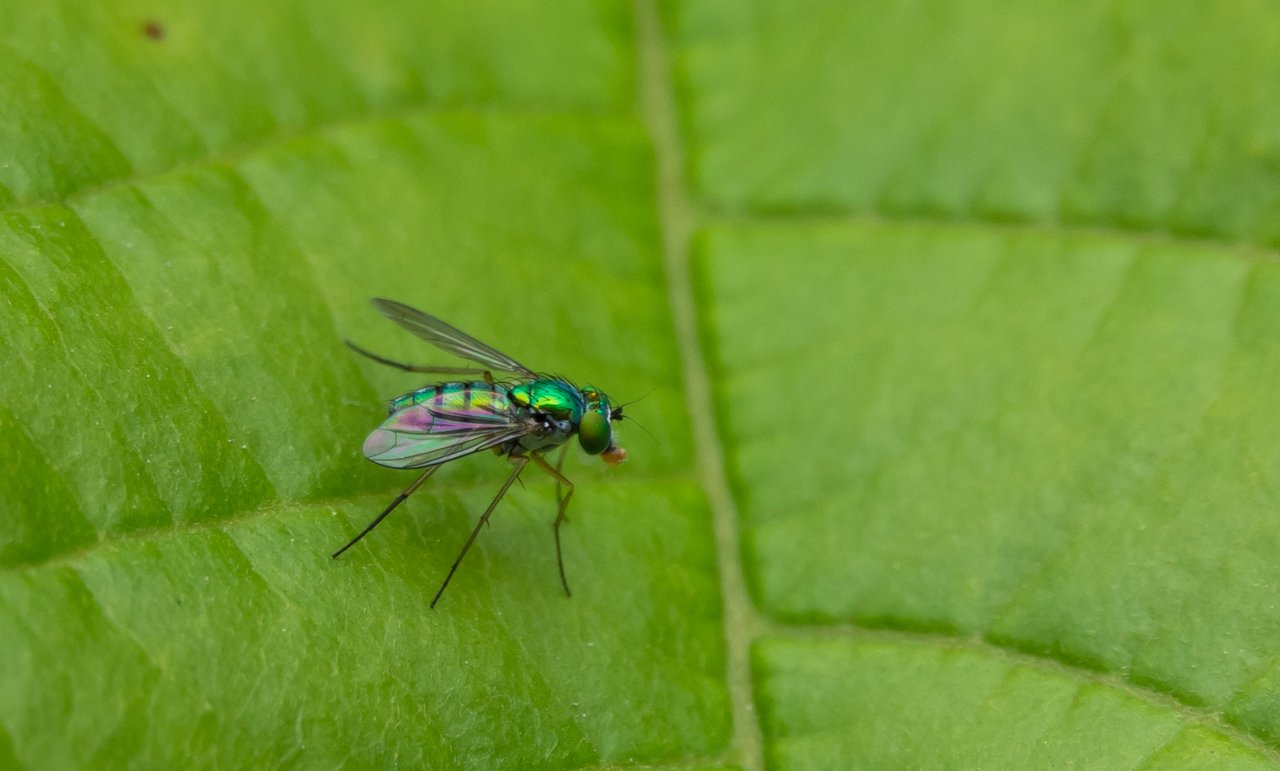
(678, 220)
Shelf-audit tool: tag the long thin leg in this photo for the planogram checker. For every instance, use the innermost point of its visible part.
(420, 368)
(519, 461)
(564, 452)
(560, 518)
(399, 500)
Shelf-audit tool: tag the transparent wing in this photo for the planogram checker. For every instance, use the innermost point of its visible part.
(420, 436)
(448, 337)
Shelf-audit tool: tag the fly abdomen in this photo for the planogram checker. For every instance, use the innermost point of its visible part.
(451, 397)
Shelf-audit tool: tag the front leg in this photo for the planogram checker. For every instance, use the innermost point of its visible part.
(564, 453)
(560, 517)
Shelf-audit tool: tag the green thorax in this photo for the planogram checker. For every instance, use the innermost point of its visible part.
(556, 397)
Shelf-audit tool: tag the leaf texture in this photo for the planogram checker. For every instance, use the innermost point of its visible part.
(953, 329)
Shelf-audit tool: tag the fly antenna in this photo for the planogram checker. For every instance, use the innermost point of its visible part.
(633, 401)
(642, 428)
(617, 415)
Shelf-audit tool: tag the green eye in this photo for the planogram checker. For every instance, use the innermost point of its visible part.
(594, 433)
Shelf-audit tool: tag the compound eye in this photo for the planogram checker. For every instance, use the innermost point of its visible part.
(594, 433)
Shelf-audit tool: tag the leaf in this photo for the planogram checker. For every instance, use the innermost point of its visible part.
(958, 324)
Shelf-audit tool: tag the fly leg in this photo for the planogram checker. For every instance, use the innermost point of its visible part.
(564, 452)
(484, 519)
(421, 368)
(560, 518)
(399, 500)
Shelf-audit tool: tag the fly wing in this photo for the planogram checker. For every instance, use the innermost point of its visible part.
(448, 337)
(419, 436)
(443, 422)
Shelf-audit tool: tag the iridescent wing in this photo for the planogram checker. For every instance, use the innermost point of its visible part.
(447, 337)
(445, 426)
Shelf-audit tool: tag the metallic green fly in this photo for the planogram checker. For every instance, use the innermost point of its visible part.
(521, 417)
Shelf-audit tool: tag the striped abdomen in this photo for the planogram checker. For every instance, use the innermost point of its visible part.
(461, 397)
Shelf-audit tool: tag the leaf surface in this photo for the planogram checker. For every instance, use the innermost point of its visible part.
(955, 329)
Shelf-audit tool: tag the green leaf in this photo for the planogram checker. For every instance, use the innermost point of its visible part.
(957, 329)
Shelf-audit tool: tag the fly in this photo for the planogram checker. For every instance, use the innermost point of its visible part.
(522, 417)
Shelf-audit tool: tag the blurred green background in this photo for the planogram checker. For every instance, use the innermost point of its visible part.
(957, 326)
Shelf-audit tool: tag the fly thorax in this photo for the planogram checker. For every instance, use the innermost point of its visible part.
(552, 397)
